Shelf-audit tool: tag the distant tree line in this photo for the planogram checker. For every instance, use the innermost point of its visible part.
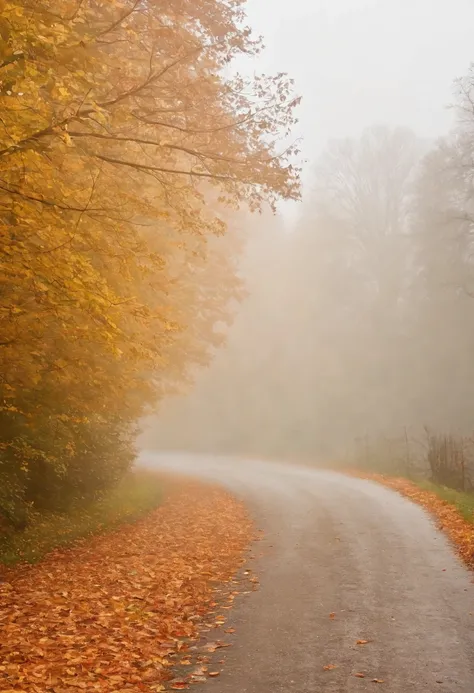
(362, 318)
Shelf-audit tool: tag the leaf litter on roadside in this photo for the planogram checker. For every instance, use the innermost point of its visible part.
(116, 612)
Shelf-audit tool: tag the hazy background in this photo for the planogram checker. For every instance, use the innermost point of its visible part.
(335, 344)
(358, 62)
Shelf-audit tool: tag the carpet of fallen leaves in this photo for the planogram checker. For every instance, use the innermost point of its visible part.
(447, 516)
(116, 613)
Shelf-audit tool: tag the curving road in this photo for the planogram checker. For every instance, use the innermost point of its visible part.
(348, 547)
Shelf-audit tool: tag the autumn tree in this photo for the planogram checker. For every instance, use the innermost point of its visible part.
(120, 120)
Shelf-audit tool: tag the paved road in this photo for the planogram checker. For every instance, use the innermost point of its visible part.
(353, 548)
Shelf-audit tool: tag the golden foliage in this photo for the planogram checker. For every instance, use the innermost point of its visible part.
(119, 125)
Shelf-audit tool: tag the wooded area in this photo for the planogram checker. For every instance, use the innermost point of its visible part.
(358, 332)
(127, 145)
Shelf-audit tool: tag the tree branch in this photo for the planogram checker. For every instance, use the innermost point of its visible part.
(49, 203)
(164, 145)
(85, 113)
(159, 169)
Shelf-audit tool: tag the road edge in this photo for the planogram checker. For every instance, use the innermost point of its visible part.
(447, 517)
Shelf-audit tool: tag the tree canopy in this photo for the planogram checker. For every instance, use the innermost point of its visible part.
(124, 135)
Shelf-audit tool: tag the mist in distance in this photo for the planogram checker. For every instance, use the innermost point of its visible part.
(358, 323)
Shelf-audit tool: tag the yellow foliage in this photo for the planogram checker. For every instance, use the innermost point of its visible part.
(118, 126)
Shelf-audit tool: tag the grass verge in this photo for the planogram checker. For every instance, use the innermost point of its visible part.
(464, 502)
(138, 493)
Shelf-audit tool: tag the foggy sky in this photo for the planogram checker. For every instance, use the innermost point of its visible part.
(356, 63)
(360, 62)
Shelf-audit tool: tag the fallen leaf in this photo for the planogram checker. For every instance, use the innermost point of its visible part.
(140, 594)
(329, 667)
(378, 681)
(198, 679)
(359, 675)
(214, 673)
(332, 615)
(200, 671)
(363, 642)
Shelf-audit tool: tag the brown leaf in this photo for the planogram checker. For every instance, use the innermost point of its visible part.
(211, 646)
(198, 679)
(363, 642)
(329, 667)
(359, 675)
(332, 615)
(214, 673)
(378, 681)
(200, 671)
(130, 598)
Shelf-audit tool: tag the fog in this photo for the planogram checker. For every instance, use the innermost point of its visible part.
(358, 62)
(358, 323)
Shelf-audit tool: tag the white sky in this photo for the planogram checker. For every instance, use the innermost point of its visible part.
(360, 62)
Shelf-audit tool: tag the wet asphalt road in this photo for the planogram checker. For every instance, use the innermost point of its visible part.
(348, 547)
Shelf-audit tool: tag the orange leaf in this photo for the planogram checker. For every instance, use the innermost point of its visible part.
(82, 591)
(359, 675)
(329, 667)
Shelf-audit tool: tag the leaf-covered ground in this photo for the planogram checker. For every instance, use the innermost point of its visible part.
(448, 518)
(119, 612)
